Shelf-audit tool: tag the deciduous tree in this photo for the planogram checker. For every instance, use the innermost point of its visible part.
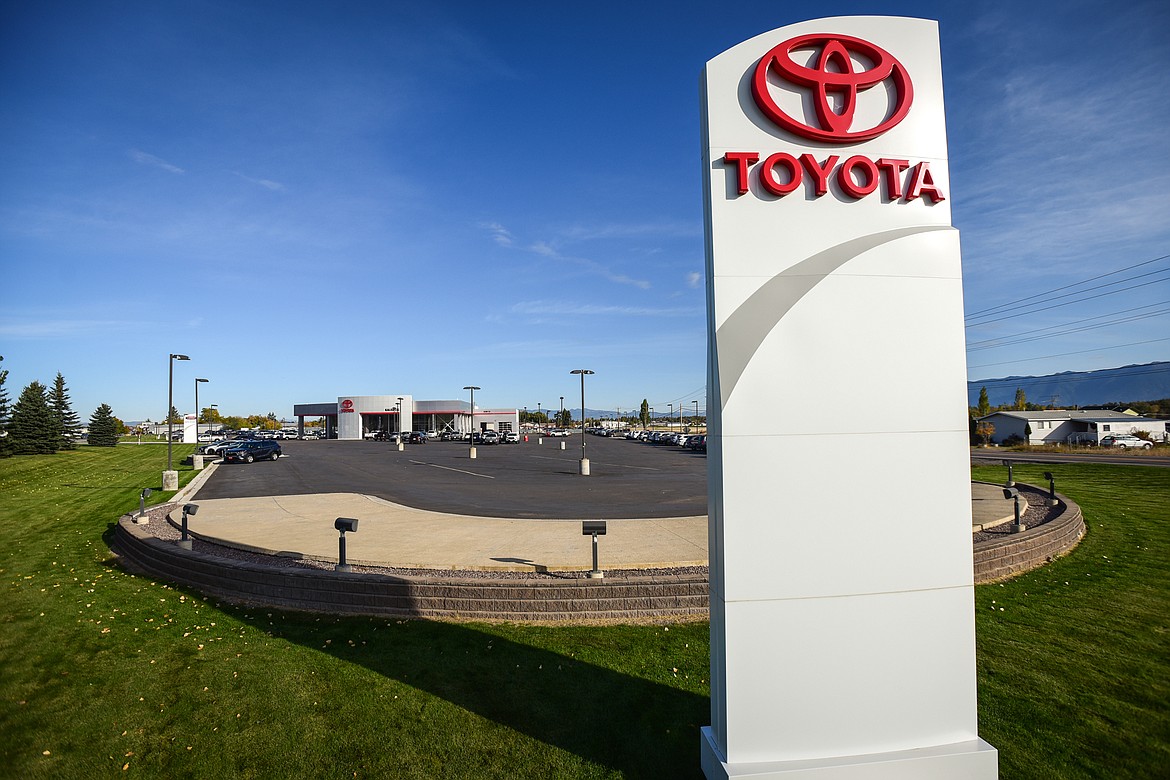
(984, 405)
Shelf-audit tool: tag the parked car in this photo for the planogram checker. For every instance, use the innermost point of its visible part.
(1125, 441)
(205, 437)
(254, 449)
(416, 437)
(453, 436)
(216, 447)
(509, 437)
(490, 437)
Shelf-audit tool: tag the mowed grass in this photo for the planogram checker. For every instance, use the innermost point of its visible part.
(1074, 657)
(107, 674)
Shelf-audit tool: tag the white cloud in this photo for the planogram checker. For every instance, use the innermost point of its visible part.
(569, 308)
(546, 249)
(267, 184)
(694, 280)
(142, 158)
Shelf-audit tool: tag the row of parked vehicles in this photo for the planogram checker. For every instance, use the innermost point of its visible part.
(245, 448)
(689, 441)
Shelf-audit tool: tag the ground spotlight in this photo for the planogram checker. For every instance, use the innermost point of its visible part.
(594, 528)
(343, 524)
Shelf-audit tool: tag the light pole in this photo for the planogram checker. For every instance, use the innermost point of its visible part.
(670, 417)
(652, 416)
(538, 412)
(472, 388)
(696, 414)
(401, 447)
(170, 476)
(197, 381)
(561, 413)
(584, 460)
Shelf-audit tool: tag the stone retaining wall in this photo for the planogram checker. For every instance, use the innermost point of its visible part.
(636, 598)
(1001, 559)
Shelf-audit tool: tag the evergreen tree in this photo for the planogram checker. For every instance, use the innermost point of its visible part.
(5, 439)
(33, 428)
(1021, 400)
(984, 404)
(103, 430)
(66, 419)
(644, 413)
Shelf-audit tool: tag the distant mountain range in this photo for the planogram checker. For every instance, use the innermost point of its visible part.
(1145, 382)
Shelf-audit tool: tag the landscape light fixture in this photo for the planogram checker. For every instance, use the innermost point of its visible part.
(1051, 488)
(1010, 481)
(584, 470)
(145, 494)
(594, 528)
(170, 406)
(1013, 493)
(188, 509)
(471, 451)
(343, 524)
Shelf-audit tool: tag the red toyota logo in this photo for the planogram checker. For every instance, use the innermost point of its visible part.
(832, 76)
(347, 404)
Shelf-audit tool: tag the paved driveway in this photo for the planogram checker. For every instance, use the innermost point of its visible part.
(627, 479)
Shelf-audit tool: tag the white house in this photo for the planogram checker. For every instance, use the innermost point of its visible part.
(1062, 426)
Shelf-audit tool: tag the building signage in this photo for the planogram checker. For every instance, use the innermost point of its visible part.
(345, 406)
(834, 83)
(842, 628)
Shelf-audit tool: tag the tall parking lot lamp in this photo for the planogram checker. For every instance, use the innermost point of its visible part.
(197, 381)
(584, 460)
(561, 413)
(472, 388)
(170, 476)
(696, 403)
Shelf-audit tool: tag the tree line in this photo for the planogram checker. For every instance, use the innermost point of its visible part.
(42, 420)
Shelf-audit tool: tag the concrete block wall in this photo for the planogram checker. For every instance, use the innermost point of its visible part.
(638, 598)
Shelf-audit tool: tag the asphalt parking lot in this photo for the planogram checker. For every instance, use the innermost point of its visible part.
(628, 479)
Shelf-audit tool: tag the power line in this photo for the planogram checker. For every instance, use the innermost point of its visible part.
(1062, 330)
(1065, 354)
(1065, 287)
(1069, 303)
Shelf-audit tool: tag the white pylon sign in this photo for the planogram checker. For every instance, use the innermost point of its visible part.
(842, 596)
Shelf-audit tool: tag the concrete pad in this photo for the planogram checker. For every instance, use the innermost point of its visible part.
(989, 508)
(394, 535)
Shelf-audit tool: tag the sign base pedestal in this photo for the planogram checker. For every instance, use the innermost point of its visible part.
(972, 760)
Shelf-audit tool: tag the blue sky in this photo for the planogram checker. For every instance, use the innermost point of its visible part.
(312, 199)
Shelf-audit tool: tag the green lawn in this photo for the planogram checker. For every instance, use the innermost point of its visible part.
(104, 673)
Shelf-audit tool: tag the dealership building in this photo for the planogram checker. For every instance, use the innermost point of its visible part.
(353, 417)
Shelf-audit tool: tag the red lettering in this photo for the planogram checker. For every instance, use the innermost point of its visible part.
(742, 160)
(819, 172)
(849, 185)
(768, 178)
(922, 183)
(893, 170)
